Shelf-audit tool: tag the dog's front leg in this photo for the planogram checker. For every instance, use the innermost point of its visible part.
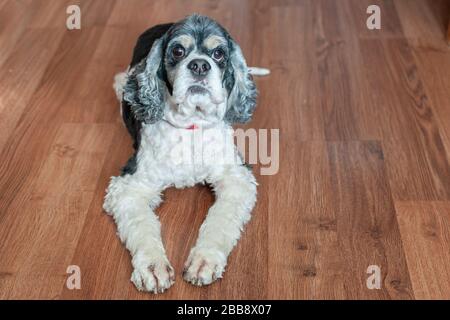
(131, 202)
(235, 191)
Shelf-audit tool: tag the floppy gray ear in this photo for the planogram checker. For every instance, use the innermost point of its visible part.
(144, 90)
(242, 98)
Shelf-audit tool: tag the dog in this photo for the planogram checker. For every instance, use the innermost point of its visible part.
(184, 78)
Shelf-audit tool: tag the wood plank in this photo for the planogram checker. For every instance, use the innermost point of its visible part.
(372, 227)
(337, 218)
(2, 3)
(47, 14)
(53, 217)
(14, 17)
(425, 231)
(330, 76)
(17, 17)
(335, 85)
(103, 260)
(58, 85)
(416, 97)
(434, 66)
(424, 22)
(292, 73)
(22, 65)
(303, 262)
(402, 112)
(448, 33)
(114, 46)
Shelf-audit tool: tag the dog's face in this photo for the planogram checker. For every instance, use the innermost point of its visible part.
(194, 74)
(195, 59)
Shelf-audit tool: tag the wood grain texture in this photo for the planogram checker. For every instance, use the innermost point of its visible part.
(428, 27)
(404, 116)
(52, 219)
(344, 222)
(425, 230)
(434, 65)
(364, 177)
(448, 33)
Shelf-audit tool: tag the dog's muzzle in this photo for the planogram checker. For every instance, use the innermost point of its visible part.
(198, 90)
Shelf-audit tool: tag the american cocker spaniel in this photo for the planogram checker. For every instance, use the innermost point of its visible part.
(187, 83)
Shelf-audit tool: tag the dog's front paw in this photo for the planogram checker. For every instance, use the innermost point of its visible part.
(204, 266)
(155, 276)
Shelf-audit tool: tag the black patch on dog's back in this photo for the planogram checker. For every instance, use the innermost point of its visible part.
(130, 166)
(145, 42)
(141, 50)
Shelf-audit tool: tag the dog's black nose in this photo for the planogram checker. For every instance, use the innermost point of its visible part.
(199, 67)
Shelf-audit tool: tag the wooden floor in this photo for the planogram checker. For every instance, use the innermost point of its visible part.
(364, 179)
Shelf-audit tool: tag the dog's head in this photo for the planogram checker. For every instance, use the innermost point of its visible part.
(194, 74)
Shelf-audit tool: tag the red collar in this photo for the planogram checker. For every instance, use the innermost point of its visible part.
(192, 127)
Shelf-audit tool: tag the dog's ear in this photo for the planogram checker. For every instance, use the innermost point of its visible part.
(241, 88)
(144, 90)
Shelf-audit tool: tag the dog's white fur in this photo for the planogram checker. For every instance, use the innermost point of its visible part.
(132, 199)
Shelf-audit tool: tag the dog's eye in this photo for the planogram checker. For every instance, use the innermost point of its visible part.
(178, 52)
(218, 54)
